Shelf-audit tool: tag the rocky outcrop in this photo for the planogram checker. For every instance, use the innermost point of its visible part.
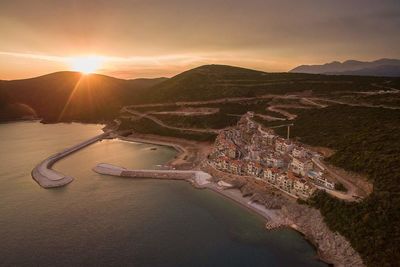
(332, 247)
(269, 201)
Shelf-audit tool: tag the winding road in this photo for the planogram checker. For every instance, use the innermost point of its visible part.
(353, 193)
(161, 123)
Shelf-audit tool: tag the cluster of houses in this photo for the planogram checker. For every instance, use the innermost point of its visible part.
(250, 150)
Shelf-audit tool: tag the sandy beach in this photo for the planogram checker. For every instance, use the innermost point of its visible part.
(270, 215)
(190, 153)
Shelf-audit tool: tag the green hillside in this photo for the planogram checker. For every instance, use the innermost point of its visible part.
(220, 81)
(66, 96)
(366, 141)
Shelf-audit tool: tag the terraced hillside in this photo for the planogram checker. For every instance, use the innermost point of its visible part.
(230, 92)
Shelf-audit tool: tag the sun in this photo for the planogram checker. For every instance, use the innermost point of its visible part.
(86, 65)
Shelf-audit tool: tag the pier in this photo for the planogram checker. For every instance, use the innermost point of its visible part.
(200, 178)
(46, 177)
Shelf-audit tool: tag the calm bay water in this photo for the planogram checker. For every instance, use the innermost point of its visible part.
(109, 221)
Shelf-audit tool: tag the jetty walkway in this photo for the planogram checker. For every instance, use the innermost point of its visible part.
(46, 177)
(199, 178)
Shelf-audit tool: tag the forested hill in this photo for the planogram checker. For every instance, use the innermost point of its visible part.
(65, 96)
(220, 81)
(366, 140)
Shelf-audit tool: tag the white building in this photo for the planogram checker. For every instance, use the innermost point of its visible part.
(299, 152)
(283, 146)
(253, 168)
(320, 178)
(275, 162)
(287, 146)
(268, 137)
(301, 166)
(303, 188)
(270, 174)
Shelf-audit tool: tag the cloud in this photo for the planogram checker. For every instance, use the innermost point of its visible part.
(264, 34)
(32, 56)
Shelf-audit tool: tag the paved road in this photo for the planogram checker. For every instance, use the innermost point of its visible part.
(353, 104)
(352, 193)
(311, 102)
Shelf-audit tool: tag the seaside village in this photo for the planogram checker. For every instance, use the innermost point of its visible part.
(250, 150)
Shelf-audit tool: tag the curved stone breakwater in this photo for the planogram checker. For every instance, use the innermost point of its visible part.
(46, 177)
(199, 178)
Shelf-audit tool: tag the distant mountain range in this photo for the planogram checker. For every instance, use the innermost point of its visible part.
(382, 67)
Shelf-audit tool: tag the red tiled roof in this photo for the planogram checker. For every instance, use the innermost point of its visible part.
(275, 170)
(303, 160)
(291, 175)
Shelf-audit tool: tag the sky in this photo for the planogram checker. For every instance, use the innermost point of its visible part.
(154, 38)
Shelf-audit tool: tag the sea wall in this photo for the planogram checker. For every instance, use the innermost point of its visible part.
(199, 177)
(177, 175)
(46, 177)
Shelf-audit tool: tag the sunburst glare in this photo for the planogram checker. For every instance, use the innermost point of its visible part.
(86, 64)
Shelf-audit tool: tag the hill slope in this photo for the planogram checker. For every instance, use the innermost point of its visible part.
(381, 67)
(220, 81)
(65, 96)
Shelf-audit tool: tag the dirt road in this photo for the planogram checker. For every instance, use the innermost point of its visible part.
(161, 123)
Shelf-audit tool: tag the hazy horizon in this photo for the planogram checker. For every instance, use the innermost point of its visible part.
(170, 76)
(133, 39)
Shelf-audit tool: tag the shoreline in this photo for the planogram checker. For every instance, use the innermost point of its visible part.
(181, 151)
(235, 196)
(274, 217)
(189, 153)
